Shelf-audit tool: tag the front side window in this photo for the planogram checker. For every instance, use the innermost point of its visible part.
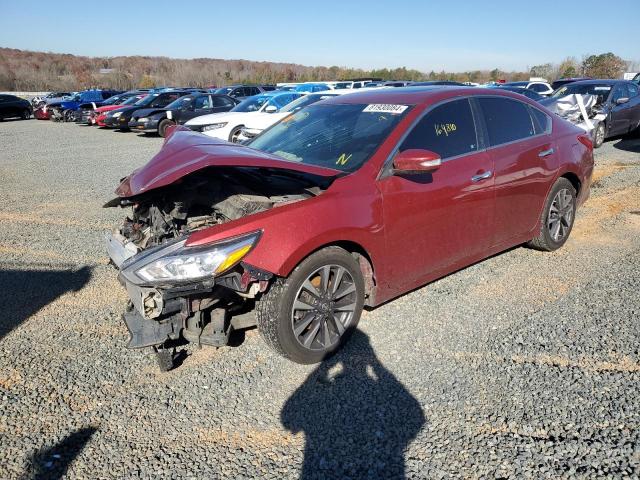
(338, 136)
(507, 120)
(633, 90)
(619, 92)
(448, 130)
(202, 102)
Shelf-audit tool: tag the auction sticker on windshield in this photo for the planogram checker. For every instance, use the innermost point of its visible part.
(385, 108)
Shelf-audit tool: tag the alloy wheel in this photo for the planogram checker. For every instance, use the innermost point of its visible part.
(560, 215)
(324, 307)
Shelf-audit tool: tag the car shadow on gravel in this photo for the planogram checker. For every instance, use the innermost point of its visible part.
(628, 144)
(52, 463)
(356, 416)
(24, 292)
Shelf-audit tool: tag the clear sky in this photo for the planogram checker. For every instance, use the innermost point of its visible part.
(426, 35)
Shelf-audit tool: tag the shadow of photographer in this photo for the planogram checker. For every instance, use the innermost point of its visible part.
(358, 419)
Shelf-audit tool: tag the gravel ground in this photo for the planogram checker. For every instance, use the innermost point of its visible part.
(525, 365)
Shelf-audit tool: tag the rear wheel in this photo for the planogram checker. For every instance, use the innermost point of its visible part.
(163, 125)
(557, 217)
(598, 135)
(308, 315)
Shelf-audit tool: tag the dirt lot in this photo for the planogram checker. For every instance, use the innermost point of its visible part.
(524, 365)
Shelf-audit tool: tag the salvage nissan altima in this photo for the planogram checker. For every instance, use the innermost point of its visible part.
(348, 202)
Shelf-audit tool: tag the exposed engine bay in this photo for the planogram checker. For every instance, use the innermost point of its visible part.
(207, 309)
(207, 199)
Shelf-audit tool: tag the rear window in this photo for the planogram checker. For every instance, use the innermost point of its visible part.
(448, 130)
(507, 120)
(541, 121)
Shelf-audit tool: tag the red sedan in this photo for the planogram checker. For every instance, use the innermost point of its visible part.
(349, 202)
(99, 114)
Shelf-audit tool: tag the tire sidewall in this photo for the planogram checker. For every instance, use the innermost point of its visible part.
(234, 132)
(596, 143)
(162, 127)
(562, 183)
(295, 351)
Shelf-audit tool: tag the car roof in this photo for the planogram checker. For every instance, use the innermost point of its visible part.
(416, 95)
(596, 82)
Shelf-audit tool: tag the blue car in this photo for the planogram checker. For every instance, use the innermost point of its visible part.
(65, 110)
(312, 87)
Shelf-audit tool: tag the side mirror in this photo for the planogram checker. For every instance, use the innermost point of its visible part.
(416, 161)
(622, 100)
(271, 109)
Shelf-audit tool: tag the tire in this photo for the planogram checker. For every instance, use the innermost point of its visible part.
(276, 317)
(598, 135)
(163, 125)
(547, 240)
(26, 114)
(233, 136)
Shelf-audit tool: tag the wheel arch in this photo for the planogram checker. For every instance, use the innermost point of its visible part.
(364, 260)
(574, 179)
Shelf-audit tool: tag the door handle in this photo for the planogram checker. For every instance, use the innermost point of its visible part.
(546, 153)
(482, 176)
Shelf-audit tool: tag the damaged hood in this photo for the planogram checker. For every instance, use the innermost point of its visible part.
(185, 152)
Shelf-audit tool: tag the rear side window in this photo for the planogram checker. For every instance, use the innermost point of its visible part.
(538, 87)
(541, 121)
(507, 120)
(447, 130)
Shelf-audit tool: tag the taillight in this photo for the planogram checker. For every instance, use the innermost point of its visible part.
(585, 139)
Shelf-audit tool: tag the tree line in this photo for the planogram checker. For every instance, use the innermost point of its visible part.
(22, 70)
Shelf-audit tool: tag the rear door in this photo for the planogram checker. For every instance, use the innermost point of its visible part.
(524, 157)
(434, 220)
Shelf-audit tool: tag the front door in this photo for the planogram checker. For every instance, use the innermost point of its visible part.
(432, 221)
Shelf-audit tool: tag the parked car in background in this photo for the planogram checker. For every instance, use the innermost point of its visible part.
(65, 110)
(99, 114)
(311, 87)
(395, 83)
(57, 97)
(261, 121)
(350, 202)
(157, 120)
(240, 92)
(563, 81)
(523, 91)
(85, 114)
(374, 84)
(543, 88)
(14, 107)
(227, 126)
(121, 117)
(618, 101)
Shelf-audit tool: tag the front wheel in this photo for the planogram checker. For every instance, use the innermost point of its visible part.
(308, 315)
(235, 134)
(163, 125)
(26, 114)
(557, 217)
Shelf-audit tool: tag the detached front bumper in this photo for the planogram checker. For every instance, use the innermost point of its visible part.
(198, 312)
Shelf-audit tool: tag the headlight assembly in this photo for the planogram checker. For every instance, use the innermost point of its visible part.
(143, 119)
(185, 264)
(213, 126)
(117, 114)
